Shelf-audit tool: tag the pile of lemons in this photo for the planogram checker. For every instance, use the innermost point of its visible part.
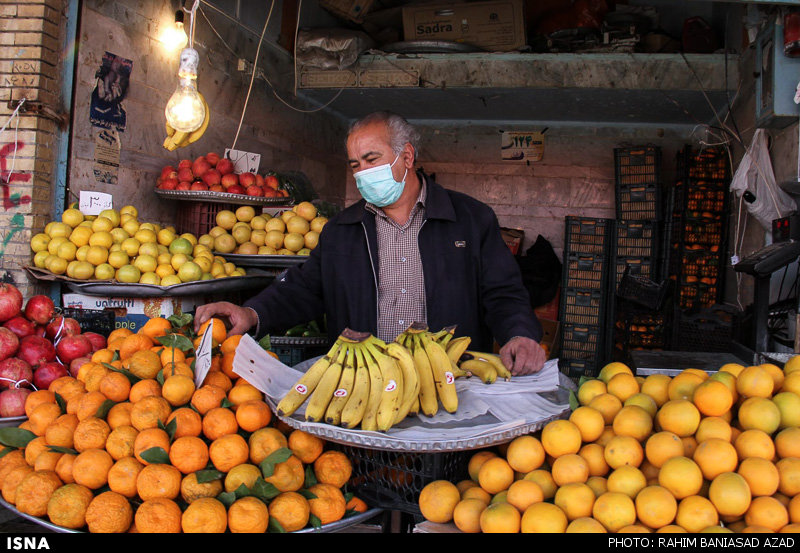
(116, 245)
(247, 232)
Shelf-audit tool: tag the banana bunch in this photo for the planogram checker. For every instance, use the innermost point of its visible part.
(178, 139)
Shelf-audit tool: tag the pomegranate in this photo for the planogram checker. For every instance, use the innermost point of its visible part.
(36, 350)
(98, 340)
(40, 309)
(41, 330)
(10, 301)
(9, 343)
(73, 346)
(15, 372)
(62, 326)
(46, 373)
(168, 184)
(12, 402)
(20, 326)
(76, 364)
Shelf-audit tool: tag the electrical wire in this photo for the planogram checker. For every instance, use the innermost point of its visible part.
(13, 117)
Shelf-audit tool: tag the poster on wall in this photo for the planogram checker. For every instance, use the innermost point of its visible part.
(107, 147)
(111, 87)
(522, 146)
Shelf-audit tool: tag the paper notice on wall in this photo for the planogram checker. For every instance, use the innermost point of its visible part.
(522, 146)
(107, 146)
(92, 203)
(243, 162)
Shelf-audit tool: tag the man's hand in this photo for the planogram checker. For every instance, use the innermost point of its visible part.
(523, 356)
(240, 318)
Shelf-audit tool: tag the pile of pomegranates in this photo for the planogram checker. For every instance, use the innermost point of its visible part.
(37, 345)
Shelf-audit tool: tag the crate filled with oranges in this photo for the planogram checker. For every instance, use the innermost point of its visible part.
(134, 442)
(691, 451)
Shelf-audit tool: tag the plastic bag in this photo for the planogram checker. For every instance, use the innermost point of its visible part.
(754, 181)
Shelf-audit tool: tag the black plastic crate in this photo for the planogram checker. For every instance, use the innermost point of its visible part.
(583, 306)
(636, 238)
(581, 341)
(588, 235)
(639, 194)
(100, 321)
(637, 266)
(293, 350)
(639, 202)
(392, 480)
(575, 369)
(641, 291)
(710, 329)
(586, 271)
(638, 164)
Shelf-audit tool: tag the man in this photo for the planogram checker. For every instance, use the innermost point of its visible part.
(409, 251)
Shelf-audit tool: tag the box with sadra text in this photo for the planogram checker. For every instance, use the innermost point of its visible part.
(133, 313)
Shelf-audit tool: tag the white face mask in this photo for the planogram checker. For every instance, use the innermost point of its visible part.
(377, 184)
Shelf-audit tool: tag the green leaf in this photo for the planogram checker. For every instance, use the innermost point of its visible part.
(227, 498)
(311, 476)
(275, 526)
(155, 455)
(180, 320)
(227, 403)
(267, 466)
(573, 400)
(59, 449)
(264, 490)
(104, 408)
(208, 475)
(315, 521)
(583, 379)
(6, 450)
(115, 357)
(15, 437)
(61, 402)
(241, 491)
(170, 428)
(307, 494)
(132, 378)
(176, 341)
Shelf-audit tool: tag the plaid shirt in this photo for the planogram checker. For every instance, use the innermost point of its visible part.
(401, 283)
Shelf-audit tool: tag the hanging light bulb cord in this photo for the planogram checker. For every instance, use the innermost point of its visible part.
(191, 11)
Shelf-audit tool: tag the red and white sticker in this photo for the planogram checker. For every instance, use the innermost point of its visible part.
(341, 392)
(449, 378)
(391, 386)
(301, 389)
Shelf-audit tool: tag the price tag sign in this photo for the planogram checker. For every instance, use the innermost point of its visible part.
(202, 363)
(243, 162)
(92, 203)
(522, 146)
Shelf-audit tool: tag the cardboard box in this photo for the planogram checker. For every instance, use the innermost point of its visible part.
(496, 26)
(352, 10)
(133, 313)
(550, 309)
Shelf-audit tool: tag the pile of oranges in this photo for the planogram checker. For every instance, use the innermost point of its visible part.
(689, 452)
(132, 444)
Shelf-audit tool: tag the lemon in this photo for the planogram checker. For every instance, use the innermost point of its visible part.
(147, 226)
(189, 271)
(286, 215)
(169, 280)
(229, 267)
(145, 263)
(149, 248)
(164, 269)
(80, 235)
(200, 249)
(128, 274)
(258, 237)
(119, 234)
(58, 229)
(150, 277)
(205, 240)
(297, 225)
(216, 231)
(70, 272)
(206, 276)
(311, 239)
(97, 255)
(224, 243)
(146, 235)
(67, 251)
(104, 271)
(72, 217)
(101, 238)
(190, 237)
(304, 251)
(217, 269)
(226, 219)
(102, 224)
(245, 213)
(247, 248)
(258, 222)
(267, 250)
(131, 246)
(39, 242)
(276, 223)
(241, 233)
(118, 258)
(204, 262)
(83, 270)
(131, 226)
(82, 252)
(112, 215)
(39, 259)
(239, 271)
(286, 251)
(57, 265)
(179, 259)
(274, 239)
(164, 258)
(165, 236)
(317, 223)
(293, 241)
(128, 210)
(181, 245)
(306, 210)
(55, 243)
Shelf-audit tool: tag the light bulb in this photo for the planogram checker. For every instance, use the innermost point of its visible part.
(185, 110)
(175, 38)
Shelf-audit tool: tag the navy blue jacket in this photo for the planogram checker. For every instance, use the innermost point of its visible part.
(471, 278)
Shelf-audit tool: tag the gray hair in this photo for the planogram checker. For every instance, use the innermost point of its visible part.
(401, 132)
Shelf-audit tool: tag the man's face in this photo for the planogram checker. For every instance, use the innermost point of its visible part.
(369, 146)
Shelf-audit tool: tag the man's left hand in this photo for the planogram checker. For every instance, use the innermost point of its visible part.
(523, 356)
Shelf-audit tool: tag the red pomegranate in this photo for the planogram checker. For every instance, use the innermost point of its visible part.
(20, 326)
(9, 343)
(36, 350)
(10, 301)
(62, 326)
(40, 309)
(47, 372)
(98, 340)
(75, 365)
(73, 346)
(12, 402)
(15, 372)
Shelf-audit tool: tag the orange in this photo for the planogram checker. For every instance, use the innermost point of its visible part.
(759, 413)
(767, 512)
(67, 387)
(226, 366)
(136, 343)
(730, 494)
(188, 422)
(122, 476)
(242, 392)
(90, 404)
(207, 515)
(304, 446)
(614, 511)
(158, 515)
(220, 379)
(93, 375)
(661, 446)
(594, 455)
(60, 432)
(755, 381)
(626, 479)
(228, 451)
(229, 344)
(794, 509)
(218, 422)
(42, 415)
(570, 468)
(67, 506)
(777, 375)
(241, 475)
(500, 518)
(63, 468)
(158, 481)
(791, 383)
(696, 512)
(155, 328)
(789, 470)
(329, 505)
(657, 387)
(34, 490)
(121, 442)
(760, 474)
(120, 332)
(644, 401)
(683, 385)
(754, 443)
(119, 415)
(207, 397)
(248, 515)
(590, 389)
(91, 467)
(36, 398)
(545, 481)
(103, 355)
(590, 423)
(543, 518)
(787, 442)
(191, 489)
(467, 514)
(523, 493)
(47, 460)
(173, 369)
(149, 412)
(712, 398)
(622, 450)
(358, 505)
(681, 476)
(145, 388)
(561, 437)
(608, 404)
(633, 421)
(495, 475)
(91, 433)
(188, 454)
(144, 363)
(588, 525)
(115, 386)
(34, 448)
(612, 369)
(789, 405)
(109, 513)
(605, 437)
(333, 467)
(178, 389)
(476, 460)
(575, 499)
(714, 427)
(678, 416)
(170, 354)
(715, 456)
(12, 459)
(288, 476)
(218, 331)
(656, 506)
(623, 386)
(12, 480)
(264, 441)
(290, 511)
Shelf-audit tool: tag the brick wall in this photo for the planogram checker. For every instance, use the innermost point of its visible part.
(30, 55)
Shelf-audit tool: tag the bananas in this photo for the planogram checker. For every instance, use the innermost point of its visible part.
(178, 139)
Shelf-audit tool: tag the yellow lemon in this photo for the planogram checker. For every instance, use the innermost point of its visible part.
(39, 259)
(83, 270)
(150, 277)
(146, 235)
(67, 251)
(57, 265)
(97, 255)
(104, 271)
(258, 222)
(119, 234)
(164, 269)
(80, 236)
(39, 242)
(145, 263)
(58, 229)
(118, 258)
(190, 237)
(131, 226)
(72, 217)
(82, 252)
(55, 243)
(189, 272)
(101, 238)
(128, 210)
(169, 280)
(149, 248)
(128, 274)
(178, 259)
(245, 213)
(102, 224)
(297, 224)
(131, 246)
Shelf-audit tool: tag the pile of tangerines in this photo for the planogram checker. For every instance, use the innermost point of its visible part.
(690, 452)
(132, 444)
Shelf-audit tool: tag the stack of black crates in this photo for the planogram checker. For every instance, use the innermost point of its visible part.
(637, 313)
(584, 304)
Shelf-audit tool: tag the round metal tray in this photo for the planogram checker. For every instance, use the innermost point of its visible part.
(337, 526)
(265, 261)
(12, 421)
(221, 197)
